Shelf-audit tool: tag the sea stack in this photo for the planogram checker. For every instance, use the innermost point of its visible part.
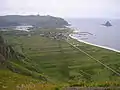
(107, 24)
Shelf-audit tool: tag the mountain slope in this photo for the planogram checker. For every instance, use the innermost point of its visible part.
(50, 59)
(37, 21)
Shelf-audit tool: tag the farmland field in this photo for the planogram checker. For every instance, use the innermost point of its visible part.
(61, 63)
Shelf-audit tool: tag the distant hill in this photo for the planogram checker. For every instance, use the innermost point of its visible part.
(37, 21)
(7, 23)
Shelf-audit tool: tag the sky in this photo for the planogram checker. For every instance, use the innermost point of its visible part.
(62, 8)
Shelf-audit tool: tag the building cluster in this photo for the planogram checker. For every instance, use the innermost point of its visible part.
(21, 27)
(27, 28)
(54, 35)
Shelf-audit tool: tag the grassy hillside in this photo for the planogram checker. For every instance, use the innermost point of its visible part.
(57, 62)
(14, 81)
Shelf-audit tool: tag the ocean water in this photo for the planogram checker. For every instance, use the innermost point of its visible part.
(100, 35)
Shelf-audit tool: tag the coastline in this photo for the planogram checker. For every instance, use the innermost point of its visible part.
(94, 44)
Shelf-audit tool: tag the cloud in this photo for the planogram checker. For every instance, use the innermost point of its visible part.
(63, 8)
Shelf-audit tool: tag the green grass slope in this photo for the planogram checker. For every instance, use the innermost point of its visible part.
(14, 81)
(61, 63)
(10, 80)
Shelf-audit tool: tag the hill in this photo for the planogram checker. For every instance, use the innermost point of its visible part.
(37, 21)
(50, 59)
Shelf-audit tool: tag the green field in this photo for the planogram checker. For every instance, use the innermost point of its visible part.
(63, 64)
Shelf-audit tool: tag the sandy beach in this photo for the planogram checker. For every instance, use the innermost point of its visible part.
(93, 44)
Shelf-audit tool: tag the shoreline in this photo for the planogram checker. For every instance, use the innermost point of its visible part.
(104, 47)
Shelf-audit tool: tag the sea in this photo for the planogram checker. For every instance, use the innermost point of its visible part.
(98, 34)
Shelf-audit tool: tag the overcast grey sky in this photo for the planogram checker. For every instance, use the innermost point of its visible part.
(62, 8)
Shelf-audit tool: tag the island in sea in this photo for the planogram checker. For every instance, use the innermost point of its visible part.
(107, 24)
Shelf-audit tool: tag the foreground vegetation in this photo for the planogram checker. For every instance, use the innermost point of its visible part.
(54, 62)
